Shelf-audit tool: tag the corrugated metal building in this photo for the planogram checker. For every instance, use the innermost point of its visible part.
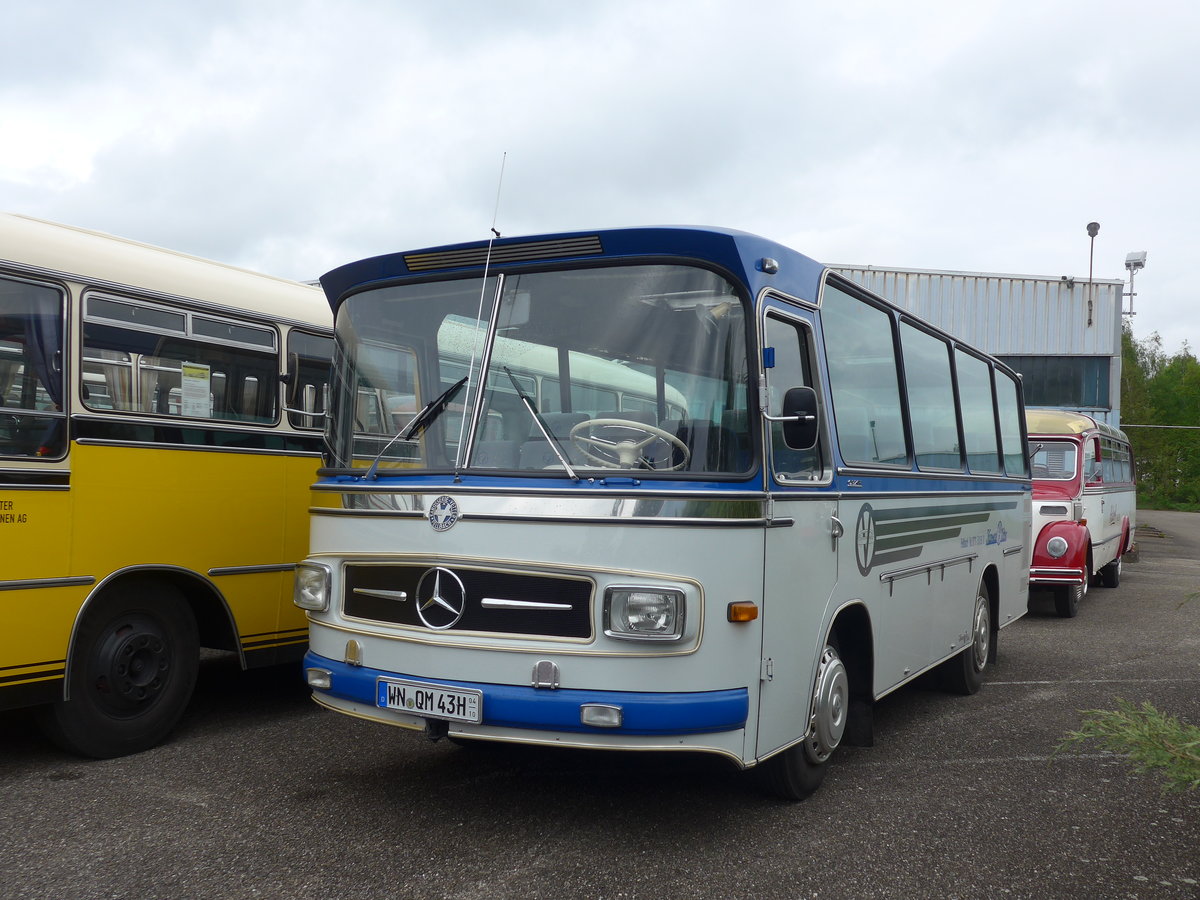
(1062, 334)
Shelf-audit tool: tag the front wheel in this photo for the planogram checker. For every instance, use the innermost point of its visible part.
(1067, 597)
(796, 772)
(963, 674)
(131, 673)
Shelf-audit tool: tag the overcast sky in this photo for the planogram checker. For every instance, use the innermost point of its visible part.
(291, 136)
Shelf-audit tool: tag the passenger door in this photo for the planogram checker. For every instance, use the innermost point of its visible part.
(800, 566)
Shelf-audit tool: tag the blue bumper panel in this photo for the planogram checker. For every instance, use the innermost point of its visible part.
(510, 706)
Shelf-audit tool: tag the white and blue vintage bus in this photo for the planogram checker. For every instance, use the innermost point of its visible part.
(654, 489)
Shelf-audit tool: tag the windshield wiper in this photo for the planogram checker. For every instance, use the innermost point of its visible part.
(422, 419)
(541, 424)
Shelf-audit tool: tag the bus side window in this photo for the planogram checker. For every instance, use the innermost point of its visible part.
(861, 351)
(31, 384)
(978, 413)
(930, 399)
(140, 356)
(309, 357)
(1012, 424)
(1091, 468)
(792, 368)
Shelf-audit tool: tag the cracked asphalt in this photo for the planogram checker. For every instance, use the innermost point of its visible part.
(260, 794)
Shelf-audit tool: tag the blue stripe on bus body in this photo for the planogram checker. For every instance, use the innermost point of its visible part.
(533, 481)
(513, 706)
(907, 483)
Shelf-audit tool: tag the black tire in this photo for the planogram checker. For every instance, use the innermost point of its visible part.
(963, 674)
(796, 772)
(132, 670)
(1110, 575)
(1068, 597)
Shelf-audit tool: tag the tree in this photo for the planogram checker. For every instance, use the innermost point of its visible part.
(1157, 390)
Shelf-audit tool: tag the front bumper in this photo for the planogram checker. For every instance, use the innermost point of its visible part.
(1048, 576)
(559, 710)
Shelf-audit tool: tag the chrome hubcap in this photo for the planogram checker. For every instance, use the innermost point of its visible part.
(982, 634)
(831, 705)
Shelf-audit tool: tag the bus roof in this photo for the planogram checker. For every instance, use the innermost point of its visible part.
(120, 264)
(743, 254)
(1065, 421)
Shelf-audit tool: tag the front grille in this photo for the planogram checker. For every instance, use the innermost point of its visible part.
(516, 602)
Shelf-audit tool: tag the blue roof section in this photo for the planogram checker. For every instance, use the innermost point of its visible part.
(736, 251)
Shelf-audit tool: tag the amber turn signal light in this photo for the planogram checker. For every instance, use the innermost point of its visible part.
(743, 611)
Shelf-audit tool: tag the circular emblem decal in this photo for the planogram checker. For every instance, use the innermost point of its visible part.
(864, 539)
(443, 513)
(441, 598)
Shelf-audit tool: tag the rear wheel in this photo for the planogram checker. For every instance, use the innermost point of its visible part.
(796, 772)
(1110, 575)
(131, 673)
(964, 673)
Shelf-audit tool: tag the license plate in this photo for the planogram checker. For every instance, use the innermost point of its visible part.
(431, 701)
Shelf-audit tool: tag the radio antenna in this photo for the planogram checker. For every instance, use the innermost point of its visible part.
(499, 185)
(459, 458)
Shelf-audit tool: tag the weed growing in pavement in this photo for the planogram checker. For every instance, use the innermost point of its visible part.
(1152, 740)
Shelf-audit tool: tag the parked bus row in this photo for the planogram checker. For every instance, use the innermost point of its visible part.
(656, 489)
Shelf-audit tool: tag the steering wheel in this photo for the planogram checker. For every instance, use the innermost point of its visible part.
(624, 453)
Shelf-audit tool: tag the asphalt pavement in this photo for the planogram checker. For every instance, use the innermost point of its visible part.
(261, 794)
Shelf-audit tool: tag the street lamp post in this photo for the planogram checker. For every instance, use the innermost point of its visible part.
(1093, 229)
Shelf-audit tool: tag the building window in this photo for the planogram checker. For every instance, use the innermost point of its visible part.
(1074, 382)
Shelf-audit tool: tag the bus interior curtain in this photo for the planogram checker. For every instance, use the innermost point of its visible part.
(43, 340)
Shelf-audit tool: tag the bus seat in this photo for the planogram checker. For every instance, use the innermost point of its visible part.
(735, 448)
(683, 430)
(536, 453)
(712, 446)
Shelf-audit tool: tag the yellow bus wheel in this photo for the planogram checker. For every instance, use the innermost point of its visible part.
(131, 673)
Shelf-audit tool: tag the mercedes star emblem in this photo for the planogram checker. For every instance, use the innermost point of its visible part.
(441, 598)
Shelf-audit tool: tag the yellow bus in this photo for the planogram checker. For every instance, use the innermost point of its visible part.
(161, 421)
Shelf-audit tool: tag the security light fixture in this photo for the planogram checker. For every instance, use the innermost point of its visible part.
(1133, 261)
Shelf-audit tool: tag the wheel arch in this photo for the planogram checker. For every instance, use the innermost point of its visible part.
(215, 623)
(852, 629)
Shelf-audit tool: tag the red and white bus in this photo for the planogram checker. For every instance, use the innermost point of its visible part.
(1084, 504)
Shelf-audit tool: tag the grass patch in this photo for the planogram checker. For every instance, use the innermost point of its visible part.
(1153, 741)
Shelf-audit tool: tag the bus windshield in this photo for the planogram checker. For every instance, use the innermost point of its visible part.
(1054, 460)
(637, 368)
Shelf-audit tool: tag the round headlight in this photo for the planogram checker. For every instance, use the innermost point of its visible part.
(1056, 547)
